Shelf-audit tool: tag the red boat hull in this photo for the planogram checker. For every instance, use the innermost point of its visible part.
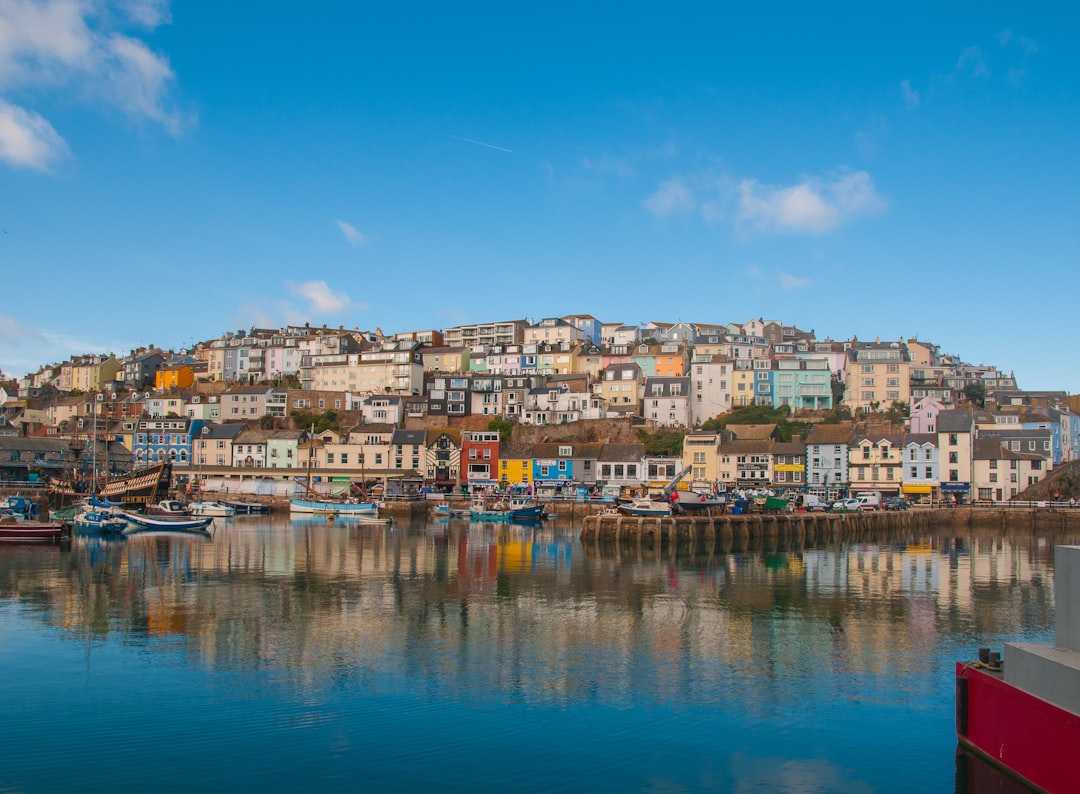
(1024, 734)
(35, 532)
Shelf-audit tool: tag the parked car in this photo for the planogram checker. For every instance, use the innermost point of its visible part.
(846, 506)
(811, 503)
(870, 500)
(896, 503)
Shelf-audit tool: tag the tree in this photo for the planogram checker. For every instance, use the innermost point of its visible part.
(504, 427)
(663, 441)
(976, 393)
(327, 420)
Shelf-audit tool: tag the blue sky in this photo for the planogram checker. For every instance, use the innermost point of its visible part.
(172, 171)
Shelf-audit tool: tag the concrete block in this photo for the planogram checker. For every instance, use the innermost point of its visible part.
(1048, 673)
(1067, 597)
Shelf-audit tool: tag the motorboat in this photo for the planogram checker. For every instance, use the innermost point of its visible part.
(99, 521)
(646, 508)
(169, 508)
(216, 509)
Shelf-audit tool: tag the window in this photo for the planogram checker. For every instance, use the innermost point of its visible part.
(952, 439)
(954, 457)
(929, 473)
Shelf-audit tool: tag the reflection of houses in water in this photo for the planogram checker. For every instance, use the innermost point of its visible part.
(333, 599)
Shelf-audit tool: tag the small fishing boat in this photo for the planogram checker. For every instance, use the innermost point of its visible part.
(697, 501)
(444, 510)
(217, 509)
(99, 521)
(517, 508)
(17, 529)
(141, 523)
(645, 508)
(342, 508)
(247, 508)
(169, 508)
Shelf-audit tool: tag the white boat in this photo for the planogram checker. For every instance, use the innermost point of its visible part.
(333, 508)
(645, 507)
(218, 509)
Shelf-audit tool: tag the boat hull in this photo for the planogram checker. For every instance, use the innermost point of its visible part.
(1027, 736)
(312, 506)
(34, 532)
(215, 509)
(138, 523)
(247, 508)
(99, 523)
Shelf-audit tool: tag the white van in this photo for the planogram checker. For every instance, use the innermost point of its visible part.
(870, 500)
(811, 503)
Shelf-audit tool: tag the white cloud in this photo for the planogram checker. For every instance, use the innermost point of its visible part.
(672, 198)
(137, 81)
(813, 206)
(909, 95)
(321, 298)
(971, 60)
(27, 140)
(75, 45)
(790, 282)
(352, 235)
(13, 333)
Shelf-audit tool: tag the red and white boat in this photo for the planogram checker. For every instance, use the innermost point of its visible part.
(34, 531)
(1023, 713)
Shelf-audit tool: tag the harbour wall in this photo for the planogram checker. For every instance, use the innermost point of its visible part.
(799, 528)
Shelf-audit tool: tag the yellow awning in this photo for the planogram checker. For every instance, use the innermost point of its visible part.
(917, 488)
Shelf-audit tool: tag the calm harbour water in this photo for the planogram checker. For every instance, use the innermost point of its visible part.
(283, 655)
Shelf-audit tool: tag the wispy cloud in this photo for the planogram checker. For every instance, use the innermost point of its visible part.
(27, 140)
(353, 236)
(909, 95)
(789, 282)
(672, 198)
(321, 299)
(813, 206)
(475, 142)
(1025, 47)
(77, 46)
(13, 333)
(971, 61)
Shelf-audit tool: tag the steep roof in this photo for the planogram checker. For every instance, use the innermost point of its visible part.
(752, 432)
(841, 433)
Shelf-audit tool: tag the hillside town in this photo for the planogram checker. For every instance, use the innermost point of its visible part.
(562, 406)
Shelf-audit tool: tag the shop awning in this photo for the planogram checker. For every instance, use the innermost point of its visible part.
(917, 488)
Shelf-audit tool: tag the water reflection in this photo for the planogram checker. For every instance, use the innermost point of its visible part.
(774, 642)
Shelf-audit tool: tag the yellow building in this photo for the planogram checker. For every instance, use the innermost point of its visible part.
(90, 373)
(515, 464)
(702, 451)
(182, 377)
(742, 386)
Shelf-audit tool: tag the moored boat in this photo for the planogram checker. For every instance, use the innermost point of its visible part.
(169, 508)
(216, 509)
(326, 506)
(1024, 716)
(246, 508)
(140, 523)
(645, 508)
(99, 521)
(22, 531)
(697, 501)
(136, 489)
(514, 509)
